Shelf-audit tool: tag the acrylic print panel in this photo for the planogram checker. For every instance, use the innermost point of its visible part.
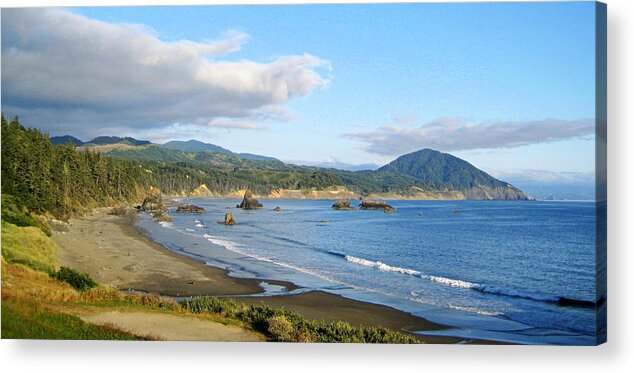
(391, 173)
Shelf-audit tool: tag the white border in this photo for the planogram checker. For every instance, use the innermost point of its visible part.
(176, 357)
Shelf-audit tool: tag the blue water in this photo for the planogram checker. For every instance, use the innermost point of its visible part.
(495, 270)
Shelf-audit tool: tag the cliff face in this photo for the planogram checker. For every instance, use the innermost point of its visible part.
(507, 192)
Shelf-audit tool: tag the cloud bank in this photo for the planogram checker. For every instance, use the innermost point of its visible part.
(73, 74)
(453, 134)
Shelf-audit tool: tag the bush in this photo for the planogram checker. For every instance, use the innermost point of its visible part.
(280, 329)
(78, 280)
(289, 326)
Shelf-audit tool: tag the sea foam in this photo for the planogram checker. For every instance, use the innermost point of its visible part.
(381, 266)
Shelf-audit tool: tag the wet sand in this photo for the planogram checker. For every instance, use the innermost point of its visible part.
(114, 252)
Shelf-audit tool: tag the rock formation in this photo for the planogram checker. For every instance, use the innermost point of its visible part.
(342, 205)
(153, 202)
(160, 216)
(249, 202)
(376, 205)
(228, 219)
(190, 208)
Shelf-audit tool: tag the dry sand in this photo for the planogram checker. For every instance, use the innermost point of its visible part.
(112, 251)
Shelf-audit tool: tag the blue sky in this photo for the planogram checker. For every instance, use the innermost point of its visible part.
(507, 86)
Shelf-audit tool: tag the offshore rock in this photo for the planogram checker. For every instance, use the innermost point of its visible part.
(190, 208)
(249, 202)
(228, 219)
(376, 205)
(342, 205)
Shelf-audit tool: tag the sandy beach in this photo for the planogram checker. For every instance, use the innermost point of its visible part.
(114, 252)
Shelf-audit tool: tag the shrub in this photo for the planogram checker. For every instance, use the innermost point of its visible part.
(280, 329)
(78, 280)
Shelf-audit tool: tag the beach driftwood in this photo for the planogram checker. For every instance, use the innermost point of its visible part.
(228, 219)
(249, 202)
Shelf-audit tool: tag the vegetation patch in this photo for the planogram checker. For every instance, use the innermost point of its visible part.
(78, 280)
(284, 325)
(22, 320)
(29, 246)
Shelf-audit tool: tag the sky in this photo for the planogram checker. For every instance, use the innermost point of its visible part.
(508, 87)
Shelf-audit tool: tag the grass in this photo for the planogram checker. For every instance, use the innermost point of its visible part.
(29, 246)
(22, 320)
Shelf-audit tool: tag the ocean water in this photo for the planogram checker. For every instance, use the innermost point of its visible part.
(512, 271)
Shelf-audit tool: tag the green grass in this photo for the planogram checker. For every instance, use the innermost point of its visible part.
(28, 321)
(28, 246)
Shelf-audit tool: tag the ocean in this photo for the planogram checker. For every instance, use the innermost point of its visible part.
(515, 271)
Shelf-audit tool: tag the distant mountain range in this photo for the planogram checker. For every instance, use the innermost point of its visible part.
(191, 146)
(195, 146)
(424, 174)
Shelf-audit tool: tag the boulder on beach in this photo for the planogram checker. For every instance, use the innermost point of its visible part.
(376, 205)
(228, 219)
(249, 202)
(190, 208)
(342, 205)
(153, 202)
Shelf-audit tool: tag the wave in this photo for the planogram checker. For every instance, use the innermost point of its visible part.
(232, 246)
(381, 266)
(200, 225)
(561, 300)
(453, 283)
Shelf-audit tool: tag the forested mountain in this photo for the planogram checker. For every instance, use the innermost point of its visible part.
(62, 140)
(109, 140)
(195, 146)
(441, 171)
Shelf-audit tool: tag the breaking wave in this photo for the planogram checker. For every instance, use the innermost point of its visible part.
(381, 266)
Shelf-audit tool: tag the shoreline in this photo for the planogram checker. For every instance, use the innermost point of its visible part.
(113, 251)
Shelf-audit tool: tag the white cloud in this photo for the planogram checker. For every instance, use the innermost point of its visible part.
(235, 124)
(69, 73)
(453, 134)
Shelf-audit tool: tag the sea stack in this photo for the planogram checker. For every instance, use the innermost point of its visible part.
(190, 208)
(342, 205)
(249, 202)
(228, 219)
(376, 205)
